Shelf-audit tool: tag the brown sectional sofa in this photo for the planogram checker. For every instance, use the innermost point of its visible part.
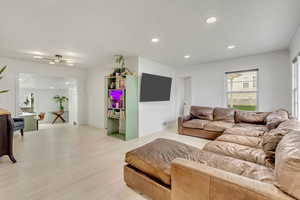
(245, 162)
(210, 123)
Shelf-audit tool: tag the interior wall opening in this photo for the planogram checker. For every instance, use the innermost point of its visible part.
(46, 101)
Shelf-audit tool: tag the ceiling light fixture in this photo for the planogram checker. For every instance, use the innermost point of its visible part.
(56, 59)
(231, 47)
(187, 56)
(155, 40)
(211, 20)
(37, 53)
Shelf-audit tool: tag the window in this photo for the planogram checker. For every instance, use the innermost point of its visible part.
(246, 84)
(295, 88)
(241, 89)
(254, 81)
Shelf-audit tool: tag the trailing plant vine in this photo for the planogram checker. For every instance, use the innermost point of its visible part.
(1, 71)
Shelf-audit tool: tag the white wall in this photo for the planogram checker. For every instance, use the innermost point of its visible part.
(155, 116)
(96, 90)
(15, 67)
(207, 87)
(274, 80)
(295, 44)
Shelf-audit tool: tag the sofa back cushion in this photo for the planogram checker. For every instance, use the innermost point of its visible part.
(200, 112)
(224, 114)
(270, 140)
(287, 164)
(276, 117)
(291, 124)
(251, 117)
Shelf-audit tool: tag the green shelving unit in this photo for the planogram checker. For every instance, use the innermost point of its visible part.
(122, 120)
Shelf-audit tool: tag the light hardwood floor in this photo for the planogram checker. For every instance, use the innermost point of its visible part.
(72, 163)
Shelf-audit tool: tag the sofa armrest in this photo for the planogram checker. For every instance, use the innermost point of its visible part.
(181, 120)
(196, 181)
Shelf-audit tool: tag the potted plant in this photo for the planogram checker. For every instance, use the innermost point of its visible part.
(26, 102)
(1, 71)
(120, 60)
(60, 100)
(32, 100)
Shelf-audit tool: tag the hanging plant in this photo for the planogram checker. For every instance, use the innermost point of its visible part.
(1, 71)
(32, 100)
(26, 102)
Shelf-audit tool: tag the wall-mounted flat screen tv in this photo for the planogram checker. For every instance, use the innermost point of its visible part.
(155, 88)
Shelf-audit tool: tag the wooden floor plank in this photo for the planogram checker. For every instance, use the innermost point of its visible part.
(67, 162)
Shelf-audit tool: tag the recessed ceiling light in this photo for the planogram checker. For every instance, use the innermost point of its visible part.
(51, 87)
(155, 40)
(187, 56)
(231, 47)
(211, 20)
(51, 63)
(70, 64)
(38, 57)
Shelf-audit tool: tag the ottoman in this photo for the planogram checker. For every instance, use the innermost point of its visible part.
(148, 168)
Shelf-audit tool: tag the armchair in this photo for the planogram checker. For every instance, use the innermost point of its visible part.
(19, 125)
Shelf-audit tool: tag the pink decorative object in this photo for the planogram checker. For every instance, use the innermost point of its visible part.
(116, 97)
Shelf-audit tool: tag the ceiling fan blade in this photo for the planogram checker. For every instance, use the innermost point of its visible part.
(49, 59)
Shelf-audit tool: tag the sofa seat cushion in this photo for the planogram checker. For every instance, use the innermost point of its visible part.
(195, 123)
(200, 112)
(249, 141)
(224, 114)
(270, 141)
(287, 165)
(244, 131)
(251, 117)
(154, 158)
(218, 126)
(18, 125)
(241, 152)
(233, 165)
(259, 127)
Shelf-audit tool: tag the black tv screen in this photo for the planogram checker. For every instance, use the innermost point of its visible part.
(155, 88)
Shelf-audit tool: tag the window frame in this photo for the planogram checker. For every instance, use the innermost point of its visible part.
(295, 87)
(246, 84)
(255, 68)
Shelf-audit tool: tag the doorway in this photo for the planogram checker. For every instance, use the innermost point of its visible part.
(187, 101)
(184, 95)
(46, 101)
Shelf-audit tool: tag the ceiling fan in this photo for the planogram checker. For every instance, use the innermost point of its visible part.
(56, 59)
